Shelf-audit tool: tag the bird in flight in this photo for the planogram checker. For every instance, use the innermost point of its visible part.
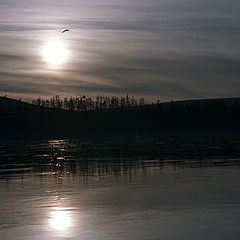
(65, 30)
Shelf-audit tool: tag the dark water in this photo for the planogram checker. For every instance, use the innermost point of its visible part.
(141, 189)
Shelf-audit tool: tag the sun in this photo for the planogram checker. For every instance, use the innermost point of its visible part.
(55, 53)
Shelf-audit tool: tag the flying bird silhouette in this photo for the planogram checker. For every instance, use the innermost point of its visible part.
(65, 30)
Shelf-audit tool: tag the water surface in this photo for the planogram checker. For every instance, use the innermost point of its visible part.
(141, 189)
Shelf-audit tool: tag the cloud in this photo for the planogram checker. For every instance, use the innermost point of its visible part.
(167, 49)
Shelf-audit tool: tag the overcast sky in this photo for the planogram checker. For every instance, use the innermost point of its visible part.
(167, 49)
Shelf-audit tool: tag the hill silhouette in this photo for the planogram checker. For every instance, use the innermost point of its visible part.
(189, 117)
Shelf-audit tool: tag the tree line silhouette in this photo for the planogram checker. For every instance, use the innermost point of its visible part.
(115, 103)
(47, 119)
(108, 103)
(84, 103)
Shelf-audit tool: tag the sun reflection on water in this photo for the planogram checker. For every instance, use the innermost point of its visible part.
(60, 219)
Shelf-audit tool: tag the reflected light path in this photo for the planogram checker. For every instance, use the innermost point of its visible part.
(60, 219)
(131, 190)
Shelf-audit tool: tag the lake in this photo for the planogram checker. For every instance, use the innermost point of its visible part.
(134, 189)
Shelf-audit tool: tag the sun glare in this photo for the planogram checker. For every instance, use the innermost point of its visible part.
(55, 53)
(60, 219)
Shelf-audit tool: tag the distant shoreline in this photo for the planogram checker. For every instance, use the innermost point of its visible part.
(180, 118)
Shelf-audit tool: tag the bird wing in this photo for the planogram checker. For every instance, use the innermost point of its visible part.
(66, 30)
